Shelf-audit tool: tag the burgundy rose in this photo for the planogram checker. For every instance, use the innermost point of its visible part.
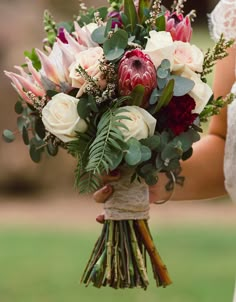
(177, 115)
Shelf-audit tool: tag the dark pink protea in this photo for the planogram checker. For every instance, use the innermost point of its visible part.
(137, 68)
(178, 26)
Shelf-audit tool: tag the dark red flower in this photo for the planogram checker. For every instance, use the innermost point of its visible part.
(61, 35)
(137, 68)
(116, 19)
(177, 115)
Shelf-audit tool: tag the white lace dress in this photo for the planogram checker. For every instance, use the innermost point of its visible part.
(223, 20)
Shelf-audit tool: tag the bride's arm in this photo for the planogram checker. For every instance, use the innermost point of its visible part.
(204, 176)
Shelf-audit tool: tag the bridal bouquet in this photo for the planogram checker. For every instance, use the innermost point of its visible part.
(119, 87)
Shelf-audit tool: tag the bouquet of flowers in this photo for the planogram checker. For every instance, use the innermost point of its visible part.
(119, 87)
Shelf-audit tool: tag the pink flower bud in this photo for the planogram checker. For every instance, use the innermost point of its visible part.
(136, 68)
(178, 26)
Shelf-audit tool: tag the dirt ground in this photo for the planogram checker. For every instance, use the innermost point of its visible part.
(79, 212)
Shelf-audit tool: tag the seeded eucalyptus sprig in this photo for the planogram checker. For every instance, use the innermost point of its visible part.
(218, 52)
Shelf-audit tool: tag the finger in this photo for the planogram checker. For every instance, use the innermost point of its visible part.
(112, 176)
(100, 218)
(103, 194)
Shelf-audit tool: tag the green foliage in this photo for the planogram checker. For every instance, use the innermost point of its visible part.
(32, 55)
(49, 27)
(218, 52)
(130, 12)
(8, 136)
(114, 47)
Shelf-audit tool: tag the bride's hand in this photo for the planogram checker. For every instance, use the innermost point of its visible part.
(101, 195)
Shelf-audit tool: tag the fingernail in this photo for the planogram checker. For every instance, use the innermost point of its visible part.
(114, 173)
(106, 189)
(100, 219)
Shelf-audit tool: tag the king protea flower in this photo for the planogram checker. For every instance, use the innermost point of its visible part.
(178, 26)
(136, 68)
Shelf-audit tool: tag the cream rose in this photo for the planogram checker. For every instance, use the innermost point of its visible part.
(89, 61)
(60, 117)
(201, 92)
(160, 46)
(141, 124)
(188, 55)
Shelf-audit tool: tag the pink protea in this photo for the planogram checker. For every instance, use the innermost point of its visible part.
(137, 68)
(178, 26)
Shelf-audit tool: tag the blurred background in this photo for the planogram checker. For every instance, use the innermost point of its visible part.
(47, 230)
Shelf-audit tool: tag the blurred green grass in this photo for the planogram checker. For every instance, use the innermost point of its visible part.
(45, 265)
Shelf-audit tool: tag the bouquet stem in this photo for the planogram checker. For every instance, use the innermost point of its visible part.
(118, 259)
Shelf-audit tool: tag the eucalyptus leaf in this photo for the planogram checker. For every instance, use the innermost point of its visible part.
(182, 85)
(116, 158)
(165, 64)
(115, 46)
(40, 128)
(150, 179)
(146, 153)
(98, 35)
(35, 153)
(52, 148)
(133, 155)
(18, 107)
(162, 73)
(152, 142)
(25, 135)
(21, 122)
(8, 136)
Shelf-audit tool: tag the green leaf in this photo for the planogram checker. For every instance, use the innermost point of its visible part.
(144, 5)
(150, 179)
(40, 128)
(51, 93)
(25, 135)
(166, 96)
(182, 85)
(130, 12)
(108, 27)
(162, 73)
(83, 108)
(116, 158)
(115, 46)
(133, 155)
(145, 153)
(34, 58)
(170, 152)
(21, 121)
(137, 95)
(18, 107)
(165, 64)
(186, 155)
(8, 136)
(35, 153)
(154, 96)
(52, 148)
(161, 23)
(152, 142)
(99, 35)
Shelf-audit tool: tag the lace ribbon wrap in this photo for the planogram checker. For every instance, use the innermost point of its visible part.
(130, 201)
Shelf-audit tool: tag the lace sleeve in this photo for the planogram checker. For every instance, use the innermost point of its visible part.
(223, 20)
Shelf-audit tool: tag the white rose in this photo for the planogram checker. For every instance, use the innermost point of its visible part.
(188, 55)
(89, 60)
(60, 117)
(201, 92)
(160, 46)
(141, 123)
